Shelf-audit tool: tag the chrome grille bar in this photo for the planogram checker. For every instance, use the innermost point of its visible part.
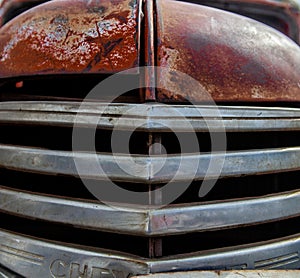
(235, 164)
(226, 274)
(39, 258)
(224, 214)
(279, 254)
(79, 213)
(148, 222)
(149, 117)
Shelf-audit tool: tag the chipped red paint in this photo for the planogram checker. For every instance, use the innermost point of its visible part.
(232, 57)
(71, 37)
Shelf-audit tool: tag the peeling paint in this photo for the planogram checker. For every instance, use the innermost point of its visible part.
(71, 37)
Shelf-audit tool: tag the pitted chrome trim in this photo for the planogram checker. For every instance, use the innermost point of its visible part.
(224, 214)
(53, 257)
(281, 253)
(79, 213)
(148, 222)
(235, 164)
(226, 274)
(37, 258)
(151, 117)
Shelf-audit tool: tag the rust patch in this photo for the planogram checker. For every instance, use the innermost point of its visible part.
(232, 57)
(71, 37)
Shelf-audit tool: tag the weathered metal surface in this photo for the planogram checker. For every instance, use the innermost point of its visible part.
(38, 258)
(69, 36)
(283, 15)
(9, 7)
(281, 253)
(155, 196)
(175, 167)
(151, 118)
(243, 63)
(149, 52)
(80, 213)
(5, 273)
(234, 58)
(223, 215)
(227, 274)
(147, 221)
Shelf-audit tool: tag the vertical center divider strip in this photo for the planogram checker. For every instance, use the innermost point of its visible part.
(149, 51)
(155, 197)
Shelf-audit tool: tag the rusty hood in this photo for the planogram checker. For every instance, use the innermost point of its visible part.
(232, 57)
(67, 36)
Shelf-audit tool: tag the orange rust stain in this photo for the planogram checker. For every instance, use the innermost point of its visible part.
(232, 58)
(71, 37)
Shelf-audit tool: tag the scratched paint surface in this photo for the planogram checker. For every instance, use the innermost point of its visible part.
(232, 57)
(69, 36)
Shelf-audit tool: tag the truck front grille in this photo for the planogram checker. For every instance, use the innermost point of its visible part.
(249, 220)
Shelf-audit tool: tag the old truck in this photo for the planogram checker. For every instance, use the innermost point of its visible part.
(102, 102)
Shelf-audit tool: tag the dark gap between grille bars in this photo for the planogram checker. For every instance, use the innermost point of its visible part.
(64, 88)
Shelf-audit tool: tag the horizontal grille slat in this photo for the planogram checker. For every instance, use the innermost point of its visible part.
(224, 215)
(229, 258)
(46, 254)
(167, 221)
(90, 215)
(122, 264)
(53, 162)
(183, 166)
(151, 118)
